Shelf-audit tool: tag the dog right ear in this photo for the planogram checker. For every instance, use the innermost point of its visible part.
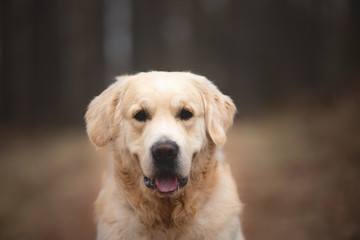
(100, 113)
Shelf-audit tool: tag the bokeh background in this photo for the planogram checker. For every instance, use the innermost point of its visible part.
(291, 66)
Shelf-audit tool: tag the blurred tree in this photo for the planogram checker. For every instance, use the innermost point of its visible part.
(51, 59)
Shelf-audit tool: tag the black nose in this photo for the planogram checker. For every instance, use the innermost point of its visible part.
(164, 154)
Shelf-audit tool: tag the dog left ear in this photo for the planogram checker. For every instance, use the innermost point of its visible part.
(219, 113)
(100, 114)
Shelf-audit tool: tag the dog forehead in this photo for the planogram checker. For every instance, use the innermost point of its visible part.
(162, 86)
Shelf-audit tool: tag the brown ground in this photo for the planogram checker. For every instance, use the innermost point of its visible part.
(297, 173)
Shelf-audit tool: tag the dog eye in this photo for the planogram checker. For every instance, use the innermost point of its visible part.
(185, 115)
(141, 116)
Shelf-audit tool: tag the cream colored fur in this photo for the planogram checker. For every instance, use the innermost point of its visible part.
(208, 206)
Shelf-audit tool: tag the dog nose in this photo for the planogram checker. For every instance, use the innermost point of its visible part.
(164, 154)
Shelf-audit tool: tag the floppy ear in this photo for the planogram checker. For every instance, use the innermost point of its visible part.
(219, 113)
(100, 114)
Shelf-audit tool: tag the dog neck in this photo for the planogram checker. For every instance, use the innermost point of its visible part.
(164, 212)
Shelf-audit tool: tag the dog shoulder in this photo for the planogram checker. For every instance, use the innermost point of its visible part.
(114, 216)
(219, 217)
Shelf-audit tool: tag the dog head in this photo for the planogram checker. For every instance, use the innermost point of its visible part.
(161, 120)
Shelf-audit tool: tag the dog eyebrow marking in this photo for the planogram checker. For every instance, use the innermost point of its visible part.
(182, 102)
(141, 105)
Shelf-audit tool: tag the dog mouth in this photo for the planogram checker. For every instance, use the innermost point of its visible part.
(165, 183)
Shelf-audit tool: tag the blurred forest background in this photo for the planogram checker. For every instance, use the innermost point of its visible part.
(291, 66)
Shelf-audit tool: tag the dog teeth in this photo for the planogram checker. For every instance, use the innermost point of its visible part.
(151, 183)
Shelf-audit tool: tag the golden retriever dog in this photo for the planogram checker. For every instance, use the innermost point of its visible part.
(166, 177)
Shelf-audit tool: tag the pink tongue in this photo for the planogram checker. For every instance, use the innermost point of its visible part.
(166, 183)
